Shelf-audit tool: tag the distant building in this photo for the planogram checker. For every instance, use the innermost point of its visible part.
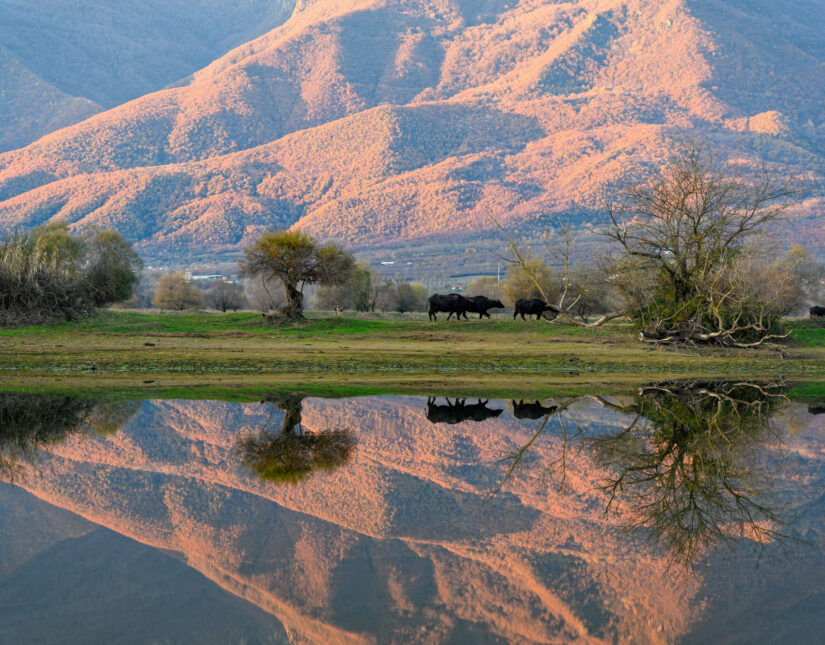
(196, 278)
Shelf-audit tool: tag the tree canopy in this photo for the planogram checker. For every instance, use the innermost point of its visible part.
(297, 260)
(292, 455)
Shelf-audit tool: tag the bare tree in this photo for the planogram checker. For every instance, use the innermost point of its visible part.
(264, 295)
(563, 299)
(175, 292)
(688, 228)
(224, 295)
(685, 256)
(684, 464)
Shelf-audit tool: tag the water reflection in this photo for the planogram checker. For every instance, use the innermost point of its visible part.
(686, 469)
(30, 424)
(458, 411)
(816, 408)
(400, 541)
(522, 410)
(684, 465)
(292, 454)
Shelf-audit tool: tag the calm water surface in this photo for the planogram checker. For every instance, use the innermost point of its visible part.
(688, 512)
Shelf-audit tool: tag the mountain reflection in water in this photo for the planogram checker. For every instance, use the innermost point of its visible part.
(683, 512)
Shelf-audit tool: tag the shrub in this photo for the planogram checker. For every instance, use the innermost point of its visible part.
(175, 292)
(49, 272)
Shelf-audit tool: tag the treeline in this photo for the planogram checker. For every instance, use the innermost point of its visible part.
(594, 290)
(50, 272)
(364, 290)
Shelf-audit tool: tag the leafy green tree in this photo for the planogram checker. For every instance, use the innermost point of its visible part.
(291, 455)
(113, 268)
(32, 423)
(410, 297)
(297, 260)
(364, 281)
(55, 249)
(49, 272)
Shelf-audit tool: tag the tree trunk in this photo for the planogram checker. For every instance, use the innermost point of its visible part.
(294, 301)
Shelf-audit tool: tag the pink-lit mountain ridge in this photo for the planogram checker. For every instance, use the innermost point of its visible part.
(374, 122)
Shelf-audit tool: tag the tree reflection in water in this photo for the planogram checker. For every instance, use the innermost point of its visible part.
(32, 423)
(106, 419)
(291, 455)
(685, 466)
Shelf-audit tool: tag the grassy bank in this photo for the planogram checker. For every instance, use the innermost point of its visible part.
(151, 352)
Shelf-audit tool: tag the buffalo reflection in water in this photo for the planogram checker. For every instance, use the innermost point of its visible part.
(291, 455)
(458, 411)
(534, 411)
(685, 466)
(32, 423)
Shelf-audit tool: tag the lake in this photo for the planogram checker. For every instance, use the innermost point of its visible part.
(683, 512)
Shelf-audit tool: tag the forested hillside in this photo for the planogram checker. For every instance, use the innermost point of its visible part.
(63, 60)
(377, 122)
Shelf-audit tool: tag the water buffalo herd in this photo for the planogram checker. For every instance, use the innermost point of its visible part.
(459, 305)
(454, 303)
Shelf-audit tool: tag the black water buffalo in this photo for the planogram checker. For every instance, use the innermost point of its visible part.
(522, 410)
(459, 411)
(532, 307)
(452, 303)
(817, 312)
(481, 305)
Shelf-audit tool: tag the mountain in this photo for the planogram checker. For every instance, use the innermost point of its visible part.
(376, 122)
(63, 60)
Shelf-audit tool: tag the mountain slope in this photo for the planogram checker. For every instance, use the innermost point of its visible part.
(373, 122)
(30, 106)
(63, 60)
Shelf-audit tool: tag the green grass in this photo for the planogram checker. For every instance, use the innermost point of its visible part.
(810, 333)
(202, 353)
